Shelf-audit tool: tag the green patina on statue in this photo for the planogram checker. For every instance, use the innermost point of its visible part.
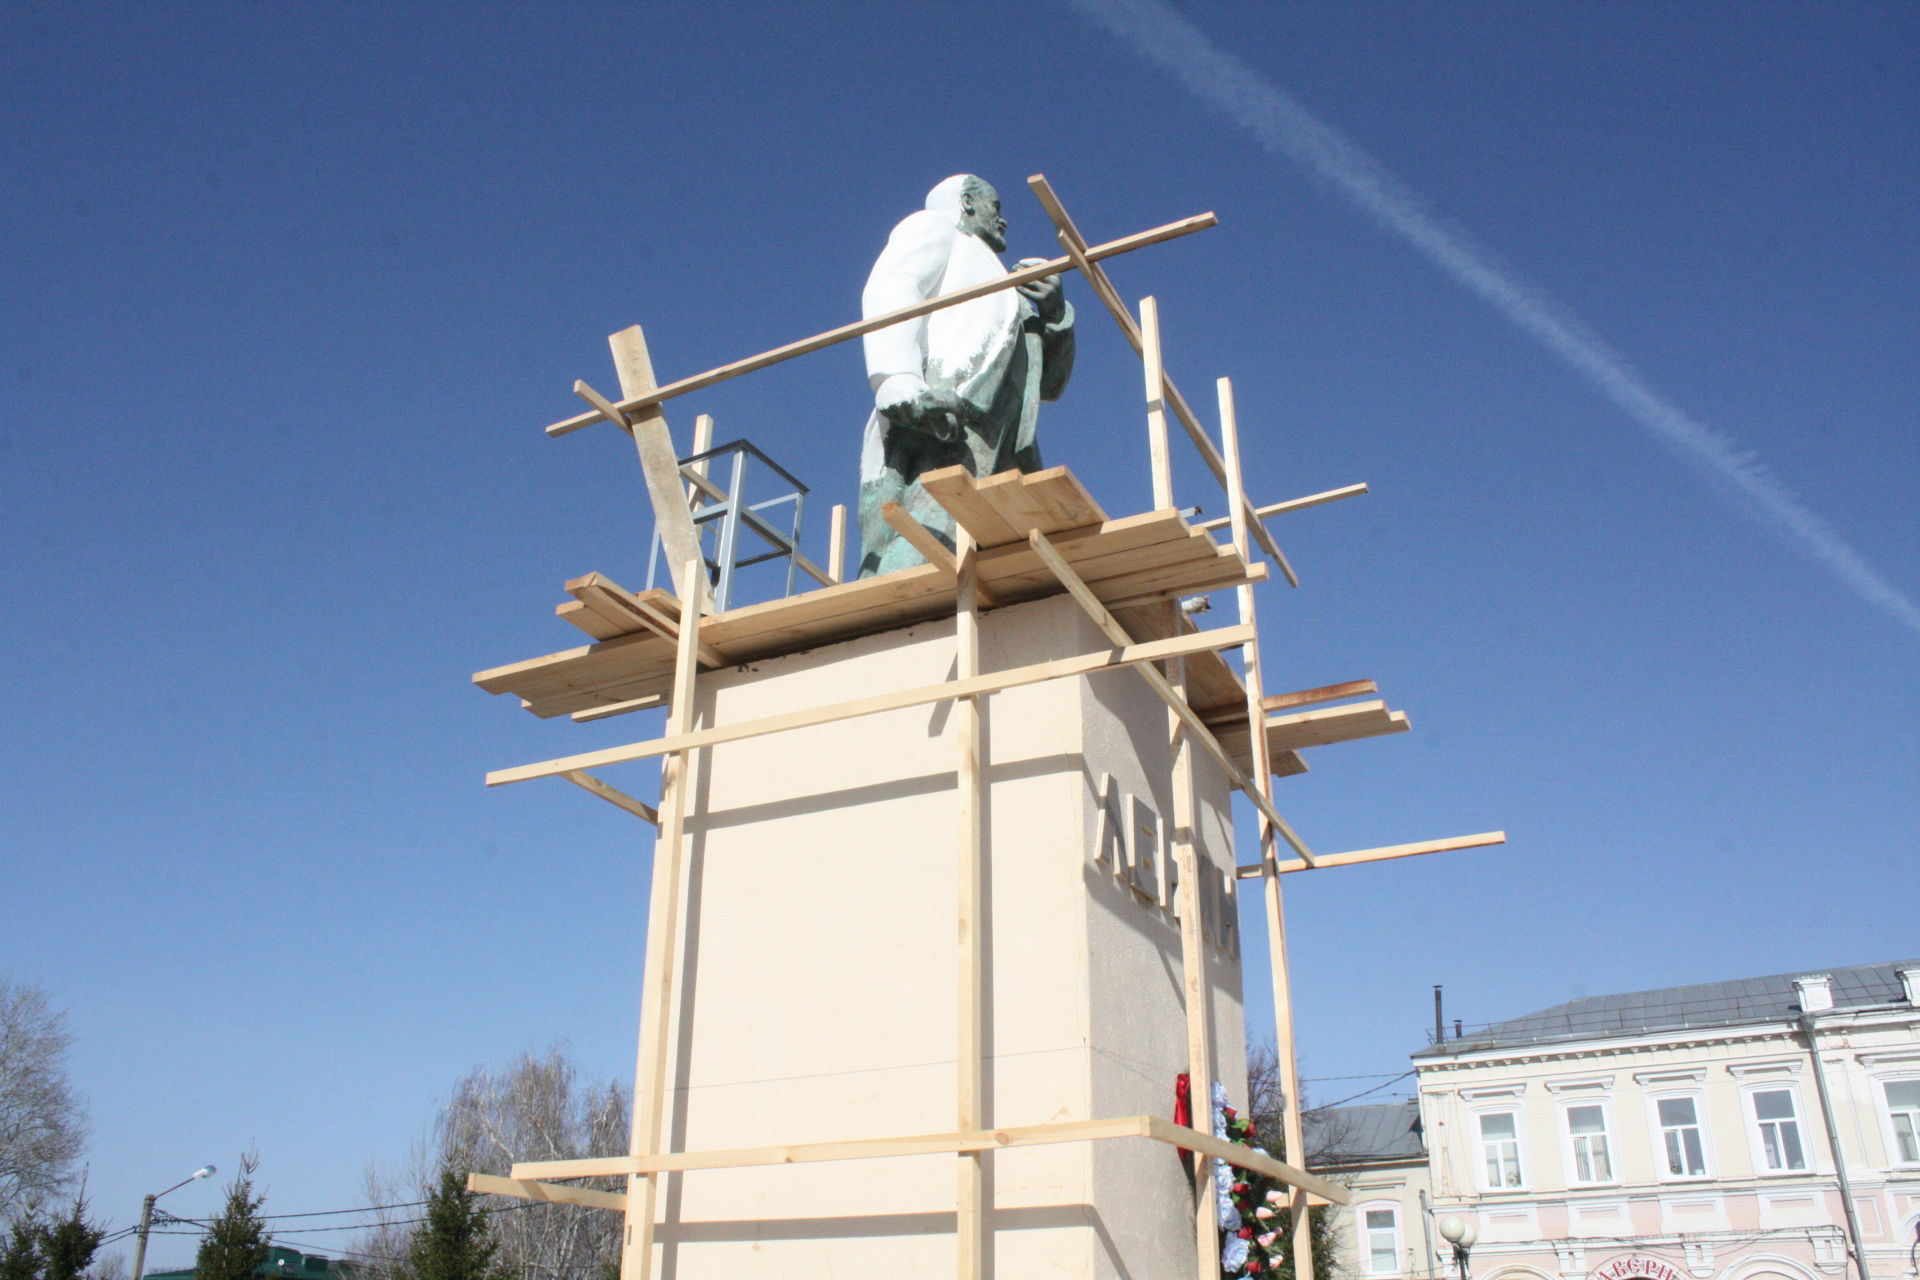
(962, 386)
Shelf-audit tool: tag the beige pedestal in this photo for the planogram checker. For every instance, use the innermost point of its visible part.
(818, 984)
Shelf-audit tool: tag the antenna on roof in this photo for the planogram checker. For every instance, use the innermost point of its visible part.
(1439, 1023)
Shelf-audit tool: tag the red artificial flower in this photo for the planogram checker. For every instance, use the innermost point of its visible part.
(1253, 1266)
(1241, 1188)
(1246, 1233)
(1231, 1113)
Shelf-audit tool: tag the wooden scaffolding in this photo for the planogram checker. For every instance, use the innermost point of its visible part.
(1018, 538)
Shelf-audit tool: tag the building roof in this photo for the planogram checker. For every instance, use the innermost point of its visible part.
(1364, 1134)
(1709, 1004)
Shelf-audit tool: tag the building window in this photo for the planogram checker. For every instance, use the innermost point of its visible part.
(1680, 1141)
(1587, 1131)
(1381, 1227)
(1903, 1111)
(1500, 1149)
(1777, 1124)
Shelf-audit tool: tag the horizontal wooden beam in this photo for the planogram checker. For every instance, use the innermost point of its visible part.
(1329, 725)
(853, 1149)
(613, 796)
(1381, 854)
(699, 381)
(552, 1193)
(529, 1173)
(992, 682)
(1313, 697)
(646, 703)
(1291, 504)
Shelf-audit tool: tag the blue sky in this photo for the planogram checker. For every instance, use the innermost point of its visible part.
(290, 290)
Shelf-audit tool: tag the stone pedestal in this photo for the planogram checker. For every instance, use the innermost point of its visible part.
(818, 985)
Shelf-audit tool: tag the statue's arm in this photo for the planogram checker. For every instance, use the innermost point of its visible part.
(908, 271)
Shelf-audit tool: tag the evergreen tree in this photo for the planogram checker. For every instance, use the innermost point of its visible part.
(455, 1243)
(236, 1244)
(20, 1254)
(67, 1247)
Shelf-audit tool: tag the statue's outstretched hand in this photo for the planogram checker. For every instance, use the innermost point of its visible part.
(934, 411)
(1045, 293)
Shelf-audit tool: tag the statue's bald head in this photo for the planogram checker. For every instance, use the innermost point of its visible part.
(974, 206)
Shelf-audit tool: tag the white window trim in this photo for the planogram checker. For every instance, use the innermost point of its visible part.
(1608, 1133)
(1657, 1133)
(1581, 1084)
(1479, 1146)
(1758, 1147)
(1670, 1078)
(1885, 1107)
(1363, 1237)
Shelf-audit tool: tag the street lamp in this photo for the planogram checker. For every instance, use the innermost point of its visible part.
(1455, 1231)
(146, 1217)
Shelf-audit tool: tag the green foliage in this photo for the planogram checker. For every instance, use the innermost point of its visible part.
(455, 1243)
(236, 1244)
(20, 1255)
(67, 1247)
(63, 1250)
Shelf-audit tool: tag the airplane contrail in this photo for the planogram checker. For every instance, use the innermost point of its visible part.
(1285, 127)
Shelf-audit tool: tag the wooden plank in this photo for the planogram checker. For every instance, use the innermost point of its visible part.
(659, 463)
(659, 395)
(576, 613)
(1174, 1135)
(954, 489)
(613, 796)
(702, 441)
(487, 1184)
(1325, 693)
(652, 1062)
(973, 1242)
(1048, 500)
(1159, 457)
(837, 543)
(1291, 504)
(621, 708)
(921, 539)
(1333, 724)
(1030, 1135)
(1383, 853)
(611, 600)
(992, 682)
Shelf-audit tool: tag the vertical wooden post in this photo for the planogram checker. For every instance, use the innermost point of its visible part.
(837, 543)
(663, 943)
(702, 441)
(1291, 1128)
(1193, 969)
(1156, 372)
(972, 1241)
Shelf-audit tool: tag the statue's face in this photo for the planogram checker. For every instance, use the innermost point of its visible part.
(980, 215)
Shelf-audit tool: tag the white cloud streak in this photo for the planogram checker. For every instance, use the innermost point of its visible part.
(1284, 127)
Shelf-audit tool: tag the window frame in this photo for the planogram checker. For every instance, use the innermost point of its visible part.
(1480, 1116)
(1889, 1122)
(1570, 1142)
(1363, 1237)
(1658, 1130)
(1756, 1139)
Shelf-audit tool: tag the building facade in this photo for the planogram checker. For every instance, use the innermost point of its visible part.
(1762, 1129)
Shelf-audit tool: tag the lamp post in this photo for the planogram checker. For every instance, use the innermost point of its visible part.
(146, 1217)
(1455, 1231)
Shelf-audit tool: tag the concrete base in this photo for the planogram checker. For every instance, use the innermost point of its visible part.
(819, 979)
